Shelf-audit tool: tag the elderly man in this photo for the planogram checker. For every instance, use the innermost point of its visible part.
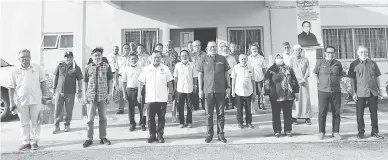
(122, 62)
(232, 62)
(301, 67)
(159, 90)
(28, 83)
(214, 86)
(66, 74)
(195, 56)
(329, 73)
(233, 51)
(287, 53)
(112, 58)
(365, 77)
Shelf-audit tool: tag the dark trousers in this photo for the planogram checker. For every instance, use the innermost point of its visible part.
(142, 104)
(215, 100)
(182, 99)
(361, 103)
(61, 100)
(132, 103)
(195, 101)
(244, 102)
(327, 99)
(156, 108)
(258, 91)
(231, 100)
(277, 106)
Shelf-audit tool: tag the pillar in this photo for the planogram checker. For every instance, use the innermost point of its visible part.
(311, 55)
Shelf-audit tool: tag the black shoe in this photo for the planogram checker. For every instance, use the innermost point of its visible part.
(308, 121)
(160, 139)
(120, 111)
(240, 126)
(87, 143)
(34, 146)
(151, 139)
(289, 134)
(222, 138)
(277, 134)
(208, 139)
(132, 127)
(360, 136)
(24, 146)
(376, 135)
(250, 126)
(143, 127)
(105, 141)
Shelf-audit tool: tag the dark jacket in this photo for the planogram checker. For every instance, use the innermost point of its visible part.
(274, 76)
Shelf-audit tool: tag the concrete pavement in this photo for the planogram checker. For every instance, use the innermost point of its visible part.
(121, 137)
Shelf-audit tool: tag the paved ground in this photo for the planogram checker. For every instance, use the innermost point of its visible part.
(181, 142)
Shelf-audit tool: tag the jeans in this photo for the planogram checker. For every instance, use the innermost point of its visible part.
(121, 100)
(277, 107)
(61, 100)
(92, 107)
(241, 103)
(258, 91)
(373, 103)
(327, 99)
(132, 102)
(182, 99)
(30, 131)
(215, 100)
(156, 108)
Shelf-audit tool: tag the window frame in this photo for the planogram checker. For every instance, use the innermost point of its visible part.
(260, 28)
(385, 27)
(58, 41)
(65, 34)
(124, 30)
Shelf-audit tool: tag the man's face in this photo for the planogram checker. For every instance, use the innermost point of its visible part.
(298, 52)
(225, 50)
(69, 59)
(139, 49)
(287, 49)
(156, 58)
(133, 60)
(126, 50)
(362, 53)
(329, 54)
(115, 50)
(196, 47)
(24, 58)
(190, 46)
(168, 45)
(211, 48)
(97, 57)
(254, 50)
(233, 48)
(243, 59)
(306, 27)
(184, 56)
(159, 48)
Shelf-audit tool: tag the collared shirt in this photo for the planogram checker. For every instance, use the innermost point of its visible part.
(130, 75)
(185, 74)
(112, 59)
(306, 40)
(122, 62)
(258, 63)
(244, 76)
(155, 80)
(66, 77)
(329, 75)
(301, 67)
(171, 59)
(235, 56)
(104, 59)
(287, 58)
(97, 77)
(213, 69)
(232, 62)
(365, 73)
(196, 56)
(27, 82)
(144, 59)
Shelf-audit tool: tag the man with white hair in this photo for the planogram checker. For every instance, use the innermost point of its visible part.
(287, 53)
(232, 62)
(301, 67)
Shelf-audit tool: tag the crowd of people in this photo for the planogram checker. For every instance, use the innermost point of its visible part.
(219, 80)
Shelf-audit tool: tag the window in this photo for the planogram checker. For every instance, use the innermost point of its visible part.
(54, 41)
(246, 36)
(346, 40)
(147, 37)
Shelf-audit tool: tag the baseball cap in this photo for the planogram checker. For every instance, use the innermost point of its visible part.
(68, 53)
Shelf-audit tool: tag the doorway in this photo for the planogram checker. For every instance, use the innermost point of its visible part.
(180, 37)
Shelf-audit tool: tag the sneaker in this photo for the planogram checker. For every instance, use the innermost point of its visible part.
(87, 143)
(160, 139)
(289, 134)
(24, 146)
(321, 136)
(250, 126)
(277, 134)
(189, 125)
(132, 127)
(221, 138)
(151, 139)
(56, 130)
(208, 139)
(376, 135)
(360, 135)
(181, 126)
(34, 146)
(240, 126)
(308, 121)
(105, 141)
(67, 129)
(337, 136)
(120, 111)
(143, 127)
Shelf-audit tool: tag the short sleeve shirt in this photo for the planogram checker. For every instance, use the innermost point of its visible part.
(26, 82)
(112, 59)
(365, 73)
(130, 75)
(66, 77)
(258, 63)
(213, 69)
(329, 75)
(244, 75)
(185, 73)
(155, 80)
(232, 62)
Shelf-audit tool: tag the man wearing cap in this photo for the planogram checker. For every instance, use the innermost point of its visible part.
(232, 62)
(195, 56)
(67, 76)
(287, 53)
(214, 86)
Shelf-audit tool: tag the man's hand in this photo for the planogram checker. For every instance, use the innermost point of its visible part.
(254, 97)
(170, 97)
(355, 97)
(297, 96)
(139, 98)
(125, 96)
(227, 91)
(233, 94)
(200, 94)
(13, 108)
(195, 89)
(79, 95)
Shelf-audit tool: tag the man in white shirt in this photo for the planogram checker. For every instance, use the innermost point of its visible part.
(112, 58)
(130, 75)
(157, 79)
(232, 62)
(243, 88)
(257, 61)
(185, 75)
(122, 62)
(287, 53)
(28, 84)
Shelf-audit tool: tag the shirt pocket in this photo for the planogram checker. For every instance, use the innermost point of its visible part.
(219, 67)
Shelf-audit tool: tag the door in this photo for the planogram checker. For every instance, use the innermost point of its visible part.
(185, 38)
(205, 35)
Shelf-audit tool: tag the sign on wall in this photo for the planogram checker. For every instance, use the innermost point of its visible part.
(309, 23)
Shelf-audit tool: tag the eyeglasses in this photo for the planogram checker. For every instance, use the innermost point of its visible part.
(330, 52)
